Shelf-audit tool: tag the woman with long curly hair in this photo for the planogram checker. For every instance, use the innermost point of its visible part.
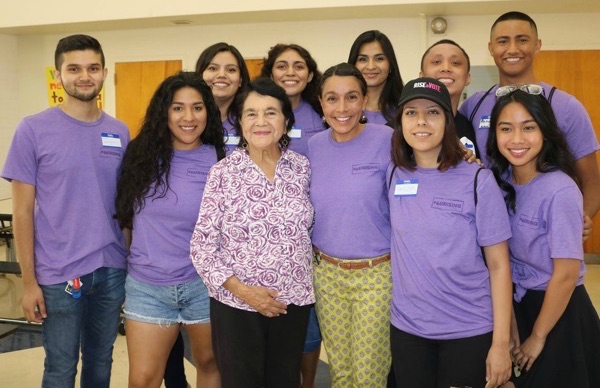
(159, 192)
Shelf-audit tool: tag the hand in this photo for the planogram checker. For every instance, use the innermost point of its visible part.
(497, 366)
(587, 227)
(33, 303)
(262, 300)
(470, 156)
(528, 352)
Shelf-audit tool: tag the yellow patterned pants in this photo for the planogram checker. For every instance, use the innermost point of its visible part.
(353, 307)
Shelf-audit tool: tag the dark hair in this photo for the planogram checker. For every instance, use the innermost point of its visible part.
(446, 41)
(515, 15)
(266, 87)
(554, 155)
(209, 53)
(388, 102)
(147, 161)
(309, 94)
(343, 70)
(451, 152)
(76, 43)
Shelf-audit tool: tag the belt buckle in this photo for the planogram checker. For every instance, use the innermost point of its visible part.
(317, 256)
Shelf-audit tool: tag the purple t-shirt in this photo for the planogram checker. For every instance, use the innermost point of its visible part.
(375, 117)
(73, 166)
(308, 123)
(348, 191)
(160, 248)
(546, 225)
(572, 118)
(440, 283)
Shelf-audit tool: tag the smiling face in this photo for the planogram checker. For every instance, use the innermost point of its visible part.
(343, 103)
(447, 63)
(262, 121)
(81, 74)
(291, 73)
(514, 44)
(423, 126)
(373, 64)
(223, 76)
(519, 140)
(187, 118)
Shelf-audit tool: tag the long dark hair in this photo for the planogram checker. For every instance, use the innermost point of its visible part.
(309, 94)
(390, 95)
(209, 53)
(450, 154)
(147, 161)
(266, 87)
(554, 155)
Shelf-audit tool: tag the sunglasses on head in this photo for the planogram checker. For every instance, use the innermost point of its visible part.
(528, 88)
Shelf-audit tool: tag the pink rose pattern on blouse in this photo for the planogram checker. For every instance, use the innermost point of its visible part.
(256, 230)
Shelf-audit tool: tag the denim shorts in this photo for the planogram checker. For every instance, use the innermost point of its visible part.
(185, 303)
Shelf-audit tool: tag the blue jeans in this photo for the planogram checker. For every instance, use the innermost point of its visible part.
(91, 322)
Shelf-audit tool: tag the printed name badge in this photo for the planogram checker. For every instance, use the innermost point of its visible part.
(406, 187)
(111, 140)
(484, 122)
(295, 133)
(232, 140)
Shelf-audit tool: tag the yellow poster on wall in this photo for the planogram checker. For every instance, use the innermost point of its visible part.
(56, 94)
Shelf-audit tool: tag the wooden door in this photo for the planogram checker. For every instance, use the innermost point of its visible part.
(575, 72)
(135, 83)
(254, 67)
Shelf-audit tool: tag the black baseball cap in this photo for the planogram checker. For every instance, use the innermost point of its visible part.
(428, 88)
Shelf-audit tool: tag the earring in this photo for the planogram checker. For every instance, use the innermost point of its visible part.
(323, 118)
(284, 142)
(363, 119)
(244, 144)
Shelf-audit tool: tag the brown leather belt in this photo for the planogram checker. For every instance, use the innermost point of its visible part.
(352, 264)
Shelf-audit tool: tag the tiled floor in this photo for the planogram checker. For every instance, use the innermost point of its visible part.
(24, 368)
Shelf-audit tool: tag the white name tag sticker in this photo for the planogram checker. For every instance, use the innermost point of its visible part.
(111, 140)
(232, 140)
(295, 133)
(484, 122)
(406, 187)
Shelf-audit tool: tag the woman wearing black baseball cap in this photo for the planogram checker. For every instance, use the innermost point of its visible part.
(451, 307)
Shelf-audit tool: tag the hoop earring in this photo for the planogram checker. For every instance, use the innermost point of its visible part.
(363, 119)
(244, 144)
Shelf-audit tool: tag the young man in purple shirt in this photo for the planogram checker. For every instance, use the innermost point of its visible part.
(514, 44)
(63, 165)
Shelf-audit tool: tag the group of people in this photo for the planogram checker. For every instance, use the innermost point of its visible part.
(263, 215)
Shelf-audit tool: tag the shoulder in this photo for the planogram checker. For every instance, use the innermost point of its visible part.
(557, 180)
(319, 138)
(380, 131)
(296, 160)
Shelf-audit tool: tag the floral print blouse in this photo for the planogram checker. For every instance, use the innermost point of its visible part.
(255, 229)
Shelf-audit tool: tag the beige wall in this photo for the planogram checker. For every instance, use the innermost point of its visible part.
(25, 57)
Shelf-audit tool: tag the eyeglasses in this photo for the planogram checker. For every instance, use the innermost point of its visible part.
(528, 88)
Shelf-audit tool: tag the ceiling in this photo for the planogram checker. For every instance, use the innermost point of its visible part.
(386, 11)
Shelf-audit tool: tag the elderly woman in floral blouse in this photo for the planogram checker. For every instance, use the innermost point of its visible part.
(252, 246)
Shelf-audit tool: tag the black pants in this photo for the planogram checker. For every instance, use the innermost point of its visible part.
(254, 351)
(425, 363)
